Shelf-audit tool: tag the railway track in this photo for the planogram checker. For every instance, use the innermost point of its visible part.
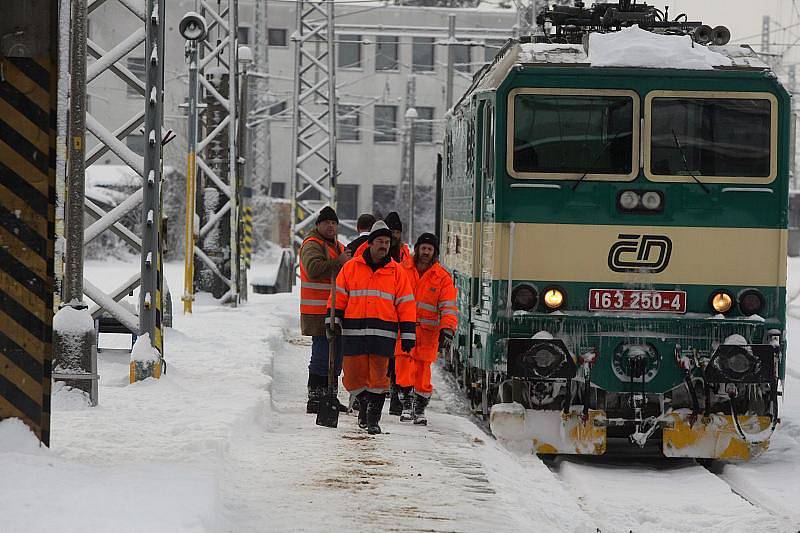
(662, 495)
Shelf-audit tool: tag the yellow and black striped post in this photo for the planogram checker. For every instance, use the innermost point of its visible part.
(27, 219)
(247, 236)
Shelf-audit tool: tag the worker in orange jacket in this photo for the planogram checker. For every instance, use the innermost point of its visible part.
(321, 257)
(437, 319)
(374, 310)
(400, 252)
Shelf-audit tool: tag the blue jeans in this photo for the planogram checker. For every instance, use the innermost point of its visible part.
(319, 356)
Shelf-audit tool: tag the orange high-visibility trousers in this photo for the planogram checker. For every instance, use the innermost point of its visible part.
(415, 373)
(366, 373)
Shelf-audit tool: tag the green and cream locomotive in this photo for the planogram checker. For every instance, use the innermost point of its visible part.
(618, 235)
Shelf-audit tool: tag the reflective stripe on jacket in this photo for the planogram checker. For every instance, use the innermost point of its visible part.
(372, 307)
(437, 308)
(314, 293)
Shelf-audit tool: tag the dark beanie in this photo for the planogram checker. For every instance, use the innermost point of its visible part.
(428, 238)
(327, 213)
(379, 229)
(393, 221)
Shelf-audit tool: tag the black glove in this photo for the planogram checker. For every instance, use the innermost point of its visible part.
(407, 345)
(445, 340)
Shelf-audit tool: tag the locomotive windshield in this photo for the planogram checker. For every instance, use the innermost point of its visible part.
(711, 137)
(571, 134)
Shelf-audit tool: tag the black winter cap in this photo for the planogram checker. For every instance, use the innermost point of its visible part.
(327, 213)
(428, 238)
(393, 221)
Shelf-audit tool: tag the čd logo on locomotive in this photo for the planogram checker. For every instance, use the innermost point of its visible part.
(640, 253)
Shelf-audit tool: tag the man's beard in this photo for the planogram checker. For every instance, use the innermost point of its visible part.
(426, 263)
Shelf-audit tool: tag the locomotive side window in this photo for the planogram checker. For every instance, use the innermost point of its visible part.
(713, 137)
(564, 134)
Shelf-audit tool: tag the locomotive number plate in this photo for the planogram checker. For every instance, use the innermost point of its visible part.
(637, 300)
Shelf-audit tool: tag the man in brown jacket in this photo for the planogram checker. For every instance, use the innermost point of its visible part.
(321, 257)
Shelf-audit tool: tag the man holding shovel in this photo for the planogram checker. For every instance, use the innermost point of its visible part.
(321, 257)
(374, 304)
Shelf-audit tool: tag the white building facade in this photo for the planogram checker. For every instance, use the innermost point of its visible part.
(379, 48)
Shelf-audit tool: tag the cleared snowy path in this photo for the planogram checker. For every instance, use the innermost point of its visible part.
(449, 476)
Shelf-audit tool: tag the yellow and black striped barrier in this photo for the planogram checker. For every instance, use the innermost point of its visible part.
(27, 227)
(247, 235)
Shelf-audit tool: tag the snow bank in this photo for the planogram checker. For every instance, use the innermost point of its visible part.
(16, 437)
(45, 493)
(635, 47)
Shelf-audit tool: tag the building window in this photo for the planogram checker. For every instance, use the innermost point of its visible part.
(135, 143)
(278, 111)
(386, 52)
(276, 37)
(348, 125)
(347, 201)
(491, 48)
(462, 57)
(244, 35)
(422, 54)
(384, 200)
(424, 125)
(385, 123)
(277, 190)
(136, 66)
(349, 51)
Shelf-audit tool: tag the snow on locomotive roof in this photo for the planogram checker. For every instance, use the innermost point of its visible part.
(635, 47)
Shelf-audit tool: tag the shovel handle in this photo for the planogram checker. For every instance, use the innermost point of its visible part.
(332, 340)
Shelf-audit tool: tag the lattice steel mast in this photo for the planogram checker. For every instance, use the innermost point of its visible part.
(314, 114)
(147, 198)
(216, 253)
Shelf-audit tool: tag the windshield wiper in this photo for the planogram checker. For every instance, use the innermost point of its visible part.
(591, 167)
(686, 163)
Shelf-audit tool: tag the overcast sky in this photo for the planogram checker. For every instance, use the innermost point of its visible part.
(744, 17)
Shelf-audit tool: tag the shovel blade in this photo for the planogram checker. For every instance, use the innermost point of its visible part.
(328, 413)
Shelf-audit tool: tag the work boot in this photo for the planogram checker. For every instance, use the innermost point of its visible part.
(420, 403)
(317, 387)
(362, 400)
(395, 405)
(407, 399)
(374, 409)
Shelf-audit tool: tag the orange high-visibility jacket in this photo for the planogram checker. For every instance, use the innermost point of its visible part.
(372, 307)
(435, 295)
(405, 251)
(314, 293)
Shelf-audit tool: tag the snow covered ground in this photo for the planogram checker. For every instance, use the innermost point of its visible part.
(222, 443)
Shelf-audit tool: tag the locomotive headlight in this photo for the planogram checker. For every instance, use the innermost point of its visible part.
(629, 200)
(751, 302)
(721, 302)
(553, 298)
(524, 298)
(651, 200)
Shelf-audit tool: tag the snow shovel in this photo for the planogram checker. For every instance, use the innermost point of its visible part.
(328, 413)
